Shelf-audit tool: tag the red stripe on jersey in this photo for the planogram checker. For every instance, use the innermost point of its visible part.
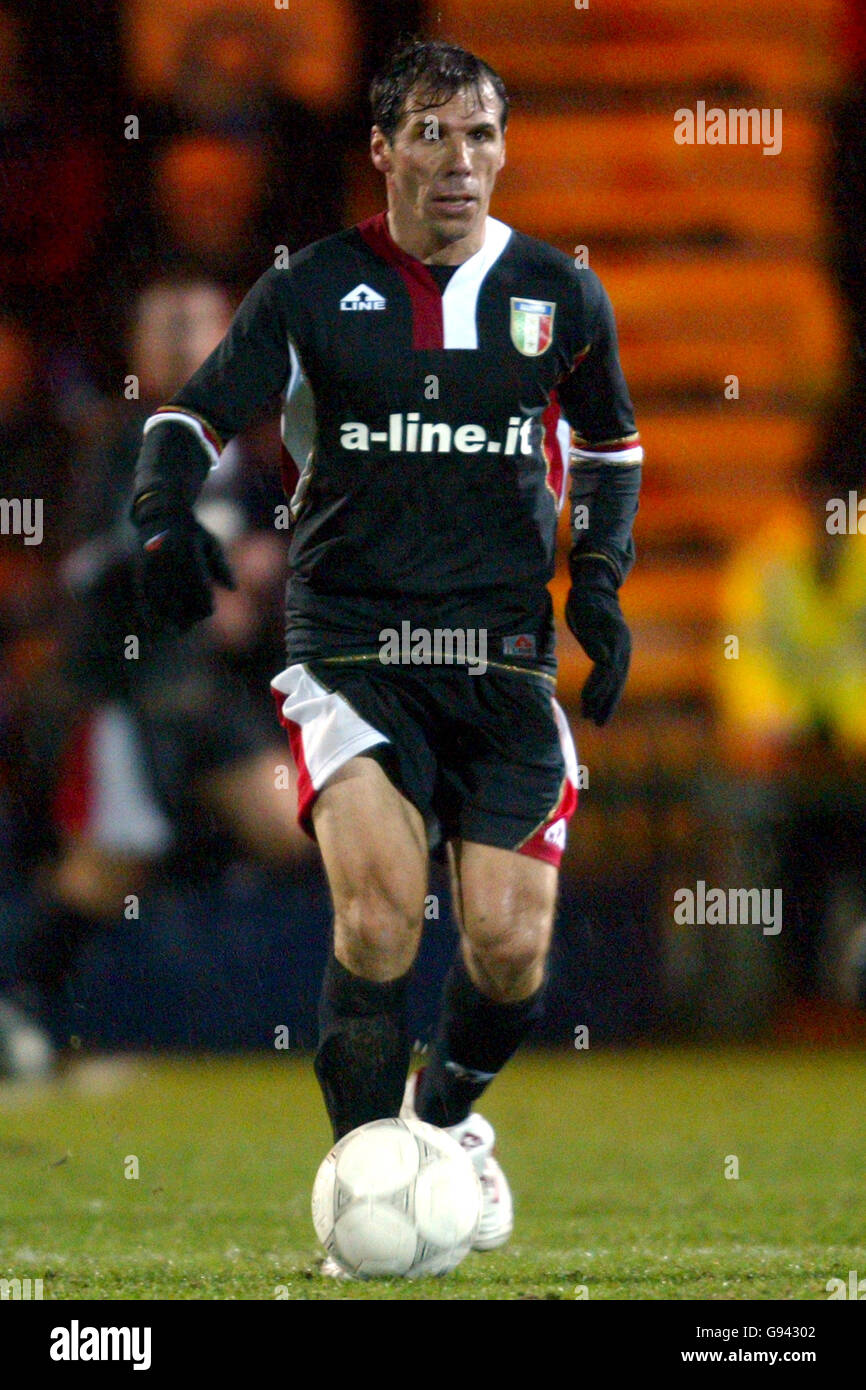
(306, 790)
(552, 451)
(424, 294)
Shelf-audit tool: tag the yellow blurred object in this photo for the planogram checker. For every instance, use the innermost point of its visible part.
(802, 637)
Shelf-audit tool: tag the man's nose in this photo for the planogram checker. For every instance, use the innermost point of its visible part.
(457, 159)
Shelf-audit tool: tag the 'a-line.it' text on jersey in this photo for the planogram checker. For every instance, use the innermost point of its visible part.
(407, 434)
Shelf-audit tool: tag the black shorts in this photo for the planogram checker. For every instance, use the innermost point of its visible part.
(487, 758)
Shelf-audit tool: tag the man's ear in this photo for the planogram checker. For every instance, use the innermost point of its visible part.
(502, 155)
(380, 150)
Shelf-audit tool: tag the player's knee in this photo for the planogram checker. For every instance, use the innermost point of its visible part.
(376, 933)
(508, 965)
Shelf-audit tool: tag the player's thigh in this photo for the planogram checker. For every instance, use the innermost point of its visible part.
(505, 903)
(373, 843)
(256, 797)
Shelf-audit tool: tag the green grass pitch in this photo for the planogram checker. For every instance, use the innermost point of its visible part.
(617, 1160)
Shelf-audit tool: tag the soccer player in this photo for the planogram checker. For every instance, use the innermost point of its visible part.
(439, 369)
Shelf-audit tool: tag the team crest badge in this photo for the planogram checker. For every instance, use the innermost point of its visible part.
(532, 325)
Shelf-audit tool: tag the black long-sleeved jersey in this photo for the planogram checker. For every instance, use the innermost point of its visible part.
(427, 430)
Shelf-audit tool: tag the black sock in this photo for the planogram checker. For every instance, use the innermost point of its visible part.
(474, 1040)
(49, 952)
(363, 1053)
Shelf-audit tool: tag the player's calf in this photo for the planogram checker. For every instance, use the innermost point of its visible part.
(364, 1047)
(475, 1038)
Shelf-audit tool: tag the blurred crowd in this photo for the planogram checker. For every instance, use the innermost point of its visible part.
(154, 158)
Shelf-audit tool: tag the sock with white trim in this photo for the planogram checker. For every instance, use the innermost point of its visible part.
(475, 1038)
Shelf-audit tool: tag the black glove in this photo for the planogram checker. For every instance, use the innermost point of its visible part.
(593, 614)
(177, 562)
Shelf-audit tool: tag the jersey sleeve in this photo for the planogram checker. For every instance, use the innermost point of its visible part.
(606, 455)
(183, 439)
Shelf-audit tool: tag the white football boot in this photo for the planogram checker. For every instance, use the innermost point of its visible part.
(477, 1137)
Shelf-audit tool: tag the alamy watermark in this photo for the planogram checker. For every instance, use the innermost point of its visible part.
(737, 126)
(846, 517)
(745, 907)
(438, 646)
(854, 1289)
(77, 1343)
(20, 1289)
(22, 516)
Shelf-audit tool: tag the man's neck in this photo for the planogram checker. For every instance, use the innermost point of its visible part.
(452, 253)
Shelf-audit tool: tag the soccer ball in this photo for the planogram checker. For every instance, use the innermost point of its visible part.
(397, 1197)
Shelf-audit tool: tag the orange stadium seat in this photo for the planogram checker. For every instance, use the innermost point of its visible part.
(728, 448)
(781, 51)
(774, 74)
(711, 474)
(686, 325)
(808, 21)
(315, 43)
(575, 178)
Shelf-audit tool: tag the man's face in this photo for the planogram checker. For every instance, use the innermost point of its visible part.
(440, 170)
(176, 327)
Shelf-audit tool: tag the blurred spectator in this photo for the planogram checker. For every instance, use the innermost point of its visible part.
(794, 728)
(160, 749)
(34, 480)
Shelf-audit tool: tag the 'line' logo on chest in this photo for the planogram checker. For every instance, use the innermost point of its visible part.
(362, 297)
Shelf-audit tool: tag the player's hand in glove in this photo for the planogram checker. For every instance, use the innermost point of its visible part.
(593, 614)
(177, 564)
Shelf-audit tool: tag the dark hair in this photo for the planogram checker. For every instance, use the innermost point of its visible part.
(438, 71)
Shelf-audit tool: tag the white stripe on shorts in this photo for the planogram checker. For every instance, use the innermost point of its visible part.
(569, 751)
(331, 731)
